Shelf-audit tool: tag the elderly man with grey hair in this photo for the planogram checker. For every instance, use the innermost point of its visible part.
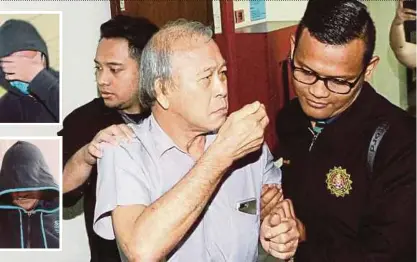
(188, 187)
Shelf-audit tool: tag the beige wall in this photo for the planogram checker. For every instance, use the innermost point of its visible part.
(285, 10)
(389, 78)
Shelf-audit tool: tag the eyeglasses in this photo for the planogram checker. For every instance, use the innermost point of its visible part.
(334, 85)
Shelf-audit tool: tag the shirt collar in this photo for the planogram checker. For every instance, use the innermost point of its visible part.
(359, 102)
(320, 124)
(163, 143)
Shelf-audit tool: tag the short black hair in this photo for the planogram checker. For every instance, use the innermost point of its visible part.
(337, 22)
(136, 30)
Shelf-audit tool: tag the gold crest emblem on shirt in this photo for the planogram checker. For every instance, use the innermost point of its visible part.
(338, 182)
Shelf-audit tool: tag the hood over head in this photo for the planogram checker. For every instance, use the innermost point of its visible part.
(19, 35)
(24, 169)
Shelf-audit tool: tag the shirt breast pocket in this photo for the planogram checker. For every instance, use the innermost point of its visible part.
(246, 226)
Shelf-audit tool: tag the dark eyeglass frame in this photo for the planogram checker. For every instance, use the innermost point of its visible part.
(325, 79)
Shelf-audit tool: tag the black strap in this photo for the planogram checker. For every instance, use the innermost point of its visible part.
(373, 145)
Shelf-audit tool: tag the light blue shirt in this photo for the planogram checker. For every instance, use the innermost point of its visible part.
(142, 171)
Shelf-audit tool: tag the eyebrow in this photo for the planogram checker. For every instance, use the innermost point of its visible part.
(109, 63)
(212, 68)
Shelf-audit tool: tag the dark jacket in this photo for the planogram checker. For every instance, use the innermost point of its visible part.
(42, 105)
(79, 129)
(24, 169)
(375, 218)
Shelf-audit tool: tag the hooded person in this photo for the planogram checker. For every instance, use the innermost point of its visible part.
(29, 200)
(32, 86)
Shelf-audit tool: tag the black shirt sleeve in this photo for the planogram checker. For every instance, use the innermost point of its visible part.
(45, 87)
(73, 138)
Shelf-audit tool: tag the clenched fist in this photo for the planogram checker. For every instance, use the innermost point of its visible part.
(243, 132)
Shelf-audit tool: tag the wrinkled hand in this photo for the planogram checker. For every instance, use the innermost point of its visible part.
(271, 195)
(243, 131)
(280, 231)
(403, 14)
(113, 134)
(21, 67)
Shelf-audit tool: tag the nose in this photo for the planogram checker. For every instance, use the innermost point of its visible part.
(319, 89)
(220, 87)
(103, 78)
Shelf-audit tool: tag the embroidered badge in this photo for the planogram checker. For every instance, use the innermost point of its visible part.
(338, 182)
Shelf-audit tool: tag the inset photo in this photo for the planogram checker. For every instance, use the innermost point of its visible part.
(30, 48)
(30, 193)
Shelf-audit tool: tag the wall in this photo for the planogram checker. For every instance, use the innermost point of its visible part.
(81, 21)
(245, 6)
(285, 10)
(389, 79)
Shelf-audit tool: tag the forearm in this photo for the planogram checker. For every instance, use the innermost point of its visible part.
(397, 36)
(76, 171)
(164, 223)
(407, 55)
(403, 50)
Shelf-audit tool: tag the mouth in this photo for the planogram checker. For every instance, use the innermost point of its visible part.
(22, 199)
(221, 111)
(315, 104)
(105, 95)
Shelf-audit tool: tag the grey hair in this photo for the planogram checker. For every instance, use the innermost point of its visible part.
(155, 61)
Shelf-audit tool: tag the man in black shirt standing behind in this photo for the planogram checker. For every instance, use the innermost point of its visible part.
(117, 74)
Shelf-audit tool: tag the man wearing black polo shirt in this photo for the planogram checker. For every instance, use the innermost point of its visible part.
(117, 73)
(349, 154)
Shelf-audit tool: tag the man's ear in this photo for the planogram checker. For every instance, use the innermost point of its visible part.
(161, 94)
(371, 67)
(292, 44)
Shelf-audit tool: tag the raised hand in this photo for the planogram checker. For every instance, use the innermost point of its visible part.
(20, 66)
(403, 14)
(243, 131)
